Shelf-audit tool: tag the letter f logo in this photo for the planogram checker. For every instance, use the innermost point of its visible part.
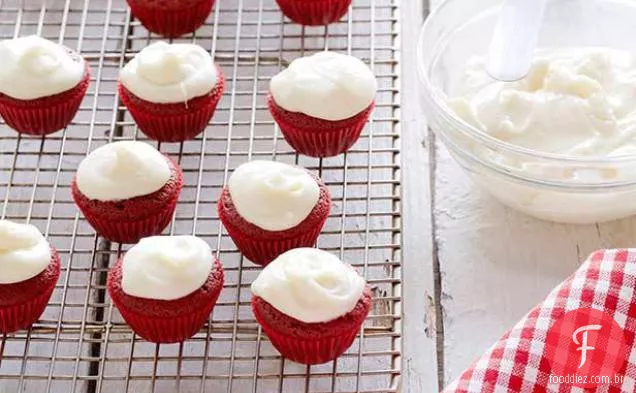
(597, 350)
(584, 348)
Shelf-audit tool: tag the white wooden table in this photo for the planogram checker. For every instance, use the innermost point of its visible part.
(473, 267)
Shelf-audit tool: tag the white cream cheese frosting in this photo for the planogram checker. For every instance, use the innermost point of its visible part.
(122, 170)
(24, 253)
(166, 267)
(310, 285)
(32, 67)
(327, 85)
(579, 102)
(170, 73)
(272, 195)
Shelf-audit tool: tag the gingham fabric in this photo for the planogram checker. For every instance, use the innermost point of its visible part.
(517, 363)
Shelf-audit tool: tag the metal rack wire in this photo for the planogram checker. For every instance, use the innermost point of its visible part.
(81, 343)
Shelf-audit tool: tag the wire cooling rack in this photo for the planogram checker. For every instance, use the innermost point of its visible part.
(81, 343)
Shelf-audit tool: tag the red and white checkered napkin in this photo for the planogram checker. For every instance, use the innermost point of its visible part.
(517, 362)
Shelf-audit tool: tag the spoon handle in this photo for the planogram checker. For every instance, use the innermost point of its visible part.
(515, 38)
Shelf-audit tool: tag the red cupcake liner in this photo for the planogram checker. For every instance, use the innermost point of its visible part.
(314, 12)
(263, 251)
(44, 115)
(173, 122)
(311, 351)
(166, 321)
(166, 330)
(311, 343)
(318, 137)
(132, 219)
(174, 19)
(131, 232)
(27, 311)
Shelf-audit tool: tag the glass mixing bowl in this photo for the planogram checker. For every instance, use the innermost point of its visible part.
(548, 186)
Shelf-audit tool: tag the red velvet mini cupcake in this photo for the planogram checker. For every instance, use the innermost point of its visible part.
(314, 12)
(171, 91)
(270, 207)
(127, 190)
(165, 287)
(29, 270)
(171, 18)
(42, 85)
(322, 102)
(310, 304)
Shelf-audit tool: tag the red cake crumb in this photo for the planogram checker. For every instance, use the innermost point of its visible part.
(262, 246)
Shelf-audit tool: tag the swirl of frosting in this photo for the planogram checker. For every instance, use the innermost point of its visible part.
(327, 85)
(24, 253)
(170, 73)
(272, 195)
(122, 170)
(310, 285)
(166, 267)
(33, 67)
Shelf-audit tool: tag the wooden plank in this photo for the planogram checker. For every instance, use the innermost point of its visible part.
(420, 373)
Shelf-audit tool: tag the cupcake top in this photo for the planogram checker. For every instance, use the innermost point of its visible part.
(122, 170)
(33, 67)
(310, 285)
(327, 85)
(24, 252)
(170, 73)
(166, 267)
(272, 195)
